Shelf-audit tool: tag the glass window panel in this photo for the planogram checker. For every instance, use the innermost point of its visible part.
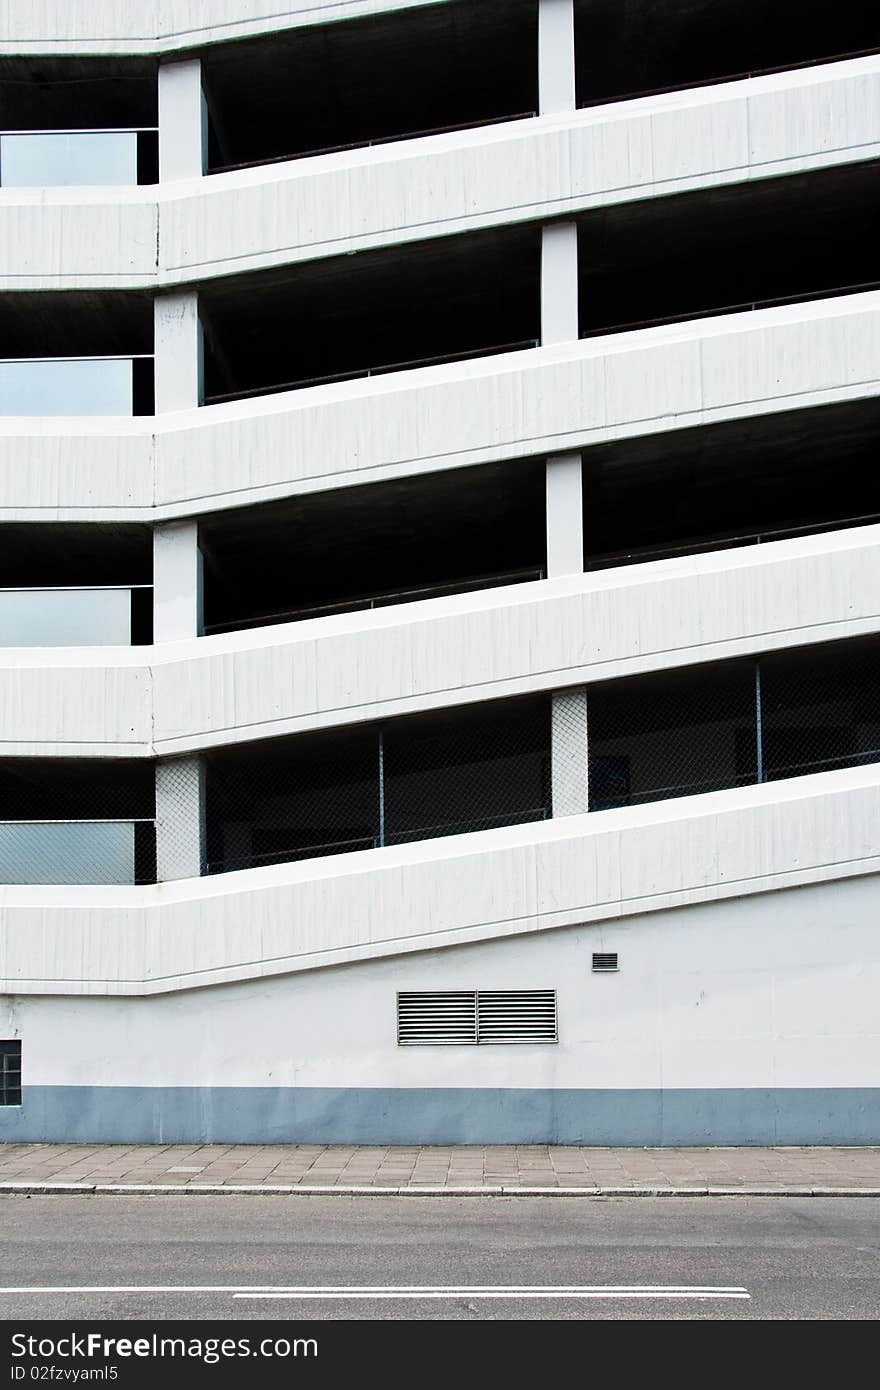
(44, 160)
(74, 852)
(66, 386)
(65, 617)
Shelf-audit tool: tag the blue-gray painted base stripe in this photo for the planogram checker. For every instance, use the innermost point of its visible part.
(330, 1115)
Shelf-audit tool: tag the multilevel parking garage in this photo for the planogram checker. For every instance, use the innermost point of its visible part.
(625, 48)
(78, 121)
(76, 353)
(454, 771)
(730, 248)
(721, 250)
(366, 547)
(371, 313)
(743, 482)
(650, 738)
(344, 84)
(738, 483)
(378, 78)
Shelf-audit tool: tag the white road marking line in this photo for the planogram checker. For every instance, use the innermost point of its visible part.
(502, 1292)
(402, 1291)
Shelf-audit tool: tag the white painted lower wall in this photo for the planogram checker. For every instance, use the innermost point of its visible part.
(775, 989)
(715, 1009)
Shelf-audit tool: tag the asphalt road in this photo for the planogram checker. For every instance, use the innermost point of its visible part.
(567, 1258)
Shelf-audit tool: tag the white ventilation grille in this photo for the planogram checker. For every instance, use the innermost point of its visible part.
(605, 961)
(476, 1016)
(450, 1017)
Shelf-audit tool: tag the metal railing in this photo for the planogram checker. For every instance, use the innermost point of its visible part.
(82, 357)
(766, 535)
(469, 827)
(370, 142)
(385, 599)
(746, 306)
(330, 847)
(695, 84)
(290, 856)
(89, 130)
(357, 373)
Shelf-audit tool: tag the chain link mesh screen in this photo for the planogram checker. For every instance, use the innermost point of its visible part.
(820, 709)
(413, 779)
(730, 724)
(674, 733)
(65, 820)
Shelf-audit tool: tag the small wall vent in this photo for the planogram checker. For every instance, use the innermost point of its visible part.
(604, 962)
(10, 1073)
(449, 1017)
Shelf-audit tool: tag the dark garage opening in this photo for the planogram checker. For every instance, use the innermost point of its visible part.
(745, 481)
(376, 311)
(375, 545)
(381, 77)
(628, 47)
(721, 250)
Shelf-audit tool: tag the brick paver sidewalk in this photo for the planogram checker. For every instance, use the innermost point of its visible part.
(308, 1167)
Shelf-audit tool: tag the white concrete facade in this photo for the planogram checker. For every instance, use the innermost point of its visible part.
(186, 694)
(548, 400)
(554, 165)
(260, 1003)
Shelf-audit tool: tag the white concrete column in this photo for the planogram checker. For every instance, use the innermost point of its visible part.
(180, 818)
(565, 555)
(559, 283)
(178, 348)
(177, 588)
(565, 515)
(177, 581)
(559, 324)
(177, 613)
(569, 753)
(556, 82)
(183, 121)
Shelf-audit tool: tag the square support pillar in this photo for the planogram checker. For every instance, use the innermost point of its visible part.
(565, 515)
(559, 324)
(178, 347)
(559, 283)
(177, 581)
(556, 69)
(568, 753)
(183, 121)
(180, 818)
